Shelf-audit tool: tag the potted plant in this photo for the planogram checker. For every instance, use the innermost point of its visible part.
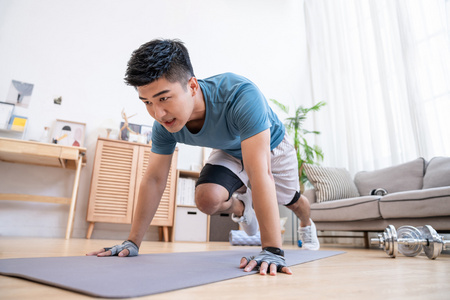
(306, 153)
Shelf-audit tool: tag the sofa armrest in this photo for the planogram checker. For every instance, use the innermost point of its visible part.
(311, 195)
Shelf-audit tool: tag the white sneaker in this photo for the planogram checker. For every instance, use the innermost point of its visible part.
(308, 236)
(248, 220)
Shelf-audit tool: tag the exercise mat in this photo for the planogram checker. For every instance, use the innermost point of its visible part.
(146, 274)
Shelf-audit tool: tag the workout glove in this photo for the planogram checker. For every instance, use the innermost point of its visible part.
(132, 248)
(269, 258)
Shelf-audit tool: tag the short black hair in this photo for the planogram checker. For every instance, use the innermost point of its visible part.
(159, 58)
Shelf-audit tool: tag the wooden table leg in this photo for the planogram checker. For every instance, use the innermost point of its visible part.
(73, 201)
(166, 233)
(160, 233)
(90, 230)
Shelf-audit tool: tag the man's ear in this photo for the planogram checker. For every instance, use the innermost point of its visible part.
(193, 86)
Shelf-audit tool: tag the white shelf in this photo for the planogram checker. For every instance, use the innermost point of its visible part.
(190, 223)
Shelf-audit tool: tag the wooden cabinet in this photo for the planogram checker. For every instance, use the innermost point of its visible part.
(116, 176)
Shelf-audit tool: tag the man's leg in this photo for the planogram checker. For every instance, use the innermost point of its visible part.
(307, 229)
(285, 173)
(302, 210)
(212, 198)
(221, 189)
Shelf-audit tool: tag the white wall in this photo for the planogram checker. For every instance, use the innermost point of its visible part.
(79, 50)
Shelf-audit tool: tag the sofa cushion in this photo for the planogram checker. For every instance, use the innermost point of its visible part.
(354, 209)
(399, 178)
(310, 195)
(437, 173)
(331, 183)
(416, 204)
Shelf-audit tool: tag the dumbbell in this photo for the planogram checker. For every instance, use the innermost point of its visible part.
(410, 241)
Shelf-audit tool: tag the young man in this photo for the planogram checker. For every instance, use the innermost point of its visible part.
(252, 169)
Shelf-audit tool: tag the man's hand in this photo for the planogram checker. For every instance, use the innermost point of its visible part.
(128, 248)
(265, 260)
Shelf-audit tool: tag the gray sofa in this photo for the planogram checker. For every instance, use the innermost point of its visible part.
(418, 193)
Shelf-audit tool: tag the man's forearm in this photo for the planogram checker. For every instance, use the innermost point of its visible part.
(257, 160)
(150, 193)
(266, 209)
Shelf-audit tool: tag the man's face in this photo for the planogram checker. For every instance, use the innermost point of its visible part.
(168, 103)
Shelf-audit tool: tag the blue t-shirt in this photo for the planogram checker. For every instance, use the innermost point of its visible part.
(235, 110)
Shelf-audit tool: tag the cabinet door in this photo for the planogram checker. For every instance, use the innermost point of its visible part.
(164, 214)
(113, 182)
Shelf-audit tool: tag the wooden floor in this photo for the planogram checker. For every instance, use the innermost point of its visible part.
(357, 274)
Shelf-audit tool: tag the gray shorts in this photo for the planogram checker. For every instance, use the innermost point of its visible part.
(284, 169)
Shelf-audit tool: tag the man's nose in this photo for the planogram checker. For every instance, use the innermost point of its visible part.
(159, 112)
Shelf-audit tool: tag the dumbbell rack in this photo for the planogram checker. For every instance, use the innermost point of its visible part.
(410, 241)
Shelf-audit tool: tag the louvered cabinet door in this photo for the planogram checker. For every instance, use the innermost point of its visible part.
(164, 214)
(113, 180)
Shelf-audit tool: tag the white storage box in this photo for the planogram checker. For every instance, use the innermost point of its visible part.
(190, 224)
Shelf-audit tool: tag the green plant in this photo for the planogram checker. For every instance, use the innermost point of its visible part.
(306, 153)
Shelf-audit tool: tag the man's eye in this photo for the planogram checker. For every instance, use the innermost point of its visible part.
(163, 99)
(147, 103)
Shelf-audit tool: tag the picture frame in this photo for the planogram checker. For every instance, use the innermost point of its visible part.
(68, 133)
(18, 123)
(6, 111)
(126, 135)
(20, 93)
(146, 131)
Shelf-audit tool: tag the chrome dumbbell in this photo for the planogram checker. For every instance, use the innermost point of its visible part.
(388, 241)
(410, 241)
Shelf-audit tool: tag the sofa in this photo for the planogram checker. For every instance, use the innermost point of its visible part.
(415, 193)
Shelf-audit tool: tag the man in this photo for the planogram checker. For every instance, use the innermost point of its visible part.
(252, 169)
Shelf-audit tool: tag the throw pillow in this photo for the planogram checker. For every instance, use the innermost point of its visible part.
(331, 183)
(437, 173)
(399, 178)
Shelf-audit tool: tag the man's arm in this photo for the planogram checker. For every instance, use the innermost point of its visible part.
(150, 192)
(257, 163)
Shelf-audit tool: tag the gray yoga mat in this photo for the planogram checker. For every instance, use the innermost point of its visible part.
(146, 274)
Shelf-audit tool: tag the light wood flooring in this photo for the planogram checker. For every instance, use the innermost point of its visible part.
(357, 274)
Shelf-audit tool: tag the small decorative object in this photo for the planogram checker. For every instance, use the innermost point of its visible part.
(57, 100)
(142, 139)
(126, 133)
(129, 133)
(44, 137)
(112, 133)
(147, 132)
(109, 128)
(133, 137)
(68, 133)
(6, 111)
(18, 123)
